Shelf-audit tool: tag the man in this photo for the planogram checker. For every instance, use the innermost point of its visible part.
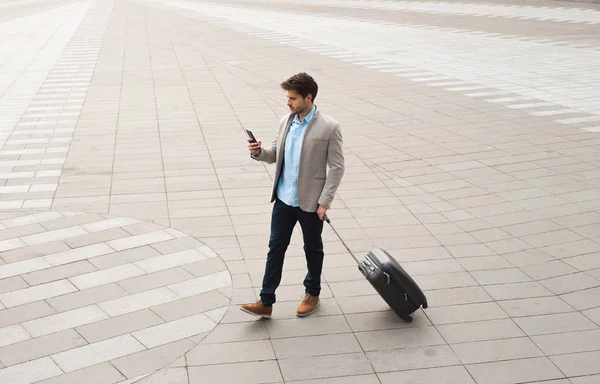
(307, 141)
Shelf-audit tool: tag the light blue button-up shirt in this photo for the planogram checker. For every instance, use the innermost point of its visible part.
(287, 188)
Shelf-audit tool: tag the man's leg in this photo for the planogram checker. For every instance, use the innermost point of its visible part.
(312, 228)
(283, 220)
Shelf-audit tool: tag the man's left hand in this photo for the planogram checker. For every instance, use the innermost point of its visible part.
(321, 211)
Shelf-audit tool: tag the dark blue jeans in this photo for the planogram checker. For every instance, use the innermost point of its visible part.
(283, 221)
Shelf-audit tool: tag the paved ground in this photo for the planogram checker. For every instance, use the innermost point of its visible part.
(133, 223)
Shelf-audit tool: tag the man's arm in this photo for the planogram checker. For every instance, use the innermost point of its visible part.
(268, 155)
(335, 160)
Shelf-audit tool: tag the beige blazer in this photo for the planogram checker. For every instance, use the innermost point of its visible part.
(322, 146)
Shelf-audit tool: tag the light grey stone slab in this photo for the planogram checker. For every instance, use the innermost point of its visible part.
(96, 353)
(521, 370)
(119, 325)
(144, 362)
(40, 347)
(480, 330)
(237, 373)
(554, 323)
(96, 374)
(578, 364)
(314, 326)
(305, 368)
(568, 342)
(413, 358)
(399, 338)
(496, 350)
(244, 351)
(443, 375)
(174, 330)
(305, 346)
(31, 371)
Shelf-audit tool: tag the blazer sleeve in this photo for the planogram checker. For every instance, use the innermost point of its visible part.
(268, 155)
(335, 160)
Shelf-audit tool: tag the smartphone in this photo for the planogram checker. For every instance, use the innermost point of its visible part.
(251, 136)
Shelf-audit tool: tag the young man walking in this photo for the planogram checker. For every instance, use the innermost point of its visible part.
(307, 142)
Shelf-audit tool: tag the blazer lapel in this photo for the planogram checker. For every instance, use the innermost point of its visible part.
(310, 125)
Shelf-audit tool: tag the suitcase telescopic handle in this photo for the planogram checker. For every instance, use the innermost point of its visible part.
(326, 218)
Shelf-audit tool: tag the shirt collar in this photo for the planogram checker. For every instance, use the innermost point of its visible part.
(308, 117)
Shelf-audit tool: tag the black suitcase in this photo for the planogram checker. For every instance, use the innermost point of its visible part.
(390, 280)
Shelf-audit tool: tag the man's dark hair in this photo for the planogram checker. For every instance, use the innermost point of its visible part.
(302, 84)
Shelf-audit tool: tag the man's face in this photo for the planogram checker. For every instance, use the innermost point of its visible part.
(296, 103)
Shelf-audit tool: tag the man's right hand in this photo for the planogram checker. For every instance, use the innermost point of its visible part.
(254, 147)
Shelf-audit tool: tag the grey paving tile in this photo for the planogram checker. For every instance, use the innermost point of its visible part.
(311, 326)
(535, 306)
(64, 320)
(167, 375)
(119, 325)
(205, 267)
(87, 297)
(465, 313)
(96, 237)
(25, 312)
(570, 283)
(224, 333)
(31, 371)
(578, 364)
(480, 263)
(584, 299)
(413, 358)
(455, 296)
(19, 231)
(72, 221)
(34, 251)
(479, 331)
(516, 290)
(445, 280)
(548, 269)
(12, 284)
(305, 346)
(445, 375)
(305, 368)
(583, 262)
(522, 370)
(123, 257)
(399, 338)
(470, 250)
(221, 353)
(374, 321)
(496, 350)
(247, 373)
(568, 342)
(57, 273)
(584, 379)
(155, 280)
(13, 334)
(508, 246)
(175, 330)
(356, 379)
(32, 294)
(92, 354)
(148, 361)
(96, 374)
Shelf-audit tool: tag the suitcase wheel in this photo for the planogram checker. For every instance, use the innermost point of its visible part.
(424, 305)
(408, 319)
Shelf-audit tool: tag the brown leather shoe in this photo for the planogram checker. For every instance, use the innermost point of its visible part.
(257, 309)
(308, 305)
